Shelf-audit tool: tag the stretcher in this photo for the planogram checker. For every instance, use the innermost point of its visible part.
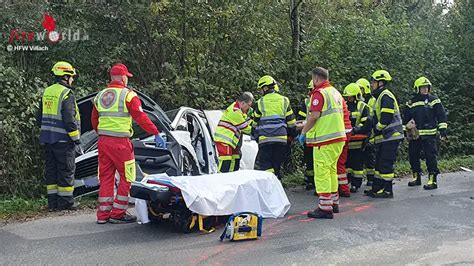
(201, 201)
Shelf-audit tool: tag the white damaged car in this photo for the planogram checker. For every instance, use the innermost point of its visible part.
(190, 146)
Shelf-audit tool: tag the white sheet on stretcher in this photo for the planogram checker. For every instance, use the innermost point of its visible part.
(224, 194)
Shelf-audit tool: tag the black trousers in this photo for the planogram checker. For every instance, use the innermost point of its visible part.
(309, 163)
(369, 159)
(59, 172)
(270, 157)
(355, 166)
(385, 158)
(430, 149)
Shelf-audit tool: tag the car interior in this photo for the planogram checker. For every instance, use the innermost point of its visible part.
(190, 123)
(152, 160)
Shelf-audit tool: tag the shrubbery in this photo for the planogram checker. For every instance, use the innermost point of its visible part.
(203, 54)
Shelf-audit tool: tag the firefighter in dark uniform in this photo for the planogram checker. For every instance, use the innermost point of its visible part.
(388, 133)
(361, 128)
(60, 133)
(426, 110)
(369, 149)
(307, 150)
(274, 121)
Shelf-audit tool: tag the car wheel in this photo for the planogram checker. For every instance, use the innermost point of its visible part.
(188, 167)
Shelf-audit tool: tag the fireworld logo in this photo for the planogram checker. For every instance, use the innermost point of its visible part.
(20, 40)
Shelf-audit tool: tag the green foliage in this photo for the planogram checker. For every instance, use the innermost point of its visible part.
(16, 208)
(202, 54)
(12, 207)
(20, 164)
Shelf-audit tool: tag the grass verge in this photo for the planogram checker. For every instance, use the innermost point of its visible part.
(402, 169)
(20, 209)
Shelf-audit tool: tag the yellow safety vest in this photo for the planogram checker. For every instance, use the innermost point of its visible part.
(358, 114)
(272, 124)
(330, 125)
(394, 130)
(52, 125)
(359, 120)
(371, 104)
(231, 126)
(114, 118)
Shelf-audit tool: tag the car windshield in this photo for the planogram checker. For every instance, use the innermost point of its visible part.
(172, 113)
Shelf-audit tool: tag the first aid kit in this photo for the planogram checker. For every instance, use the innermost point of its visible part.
(243, 226)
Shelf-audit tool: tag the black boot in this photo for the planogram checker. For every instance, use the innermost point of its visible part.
(370, 180)
(52, 202)
(386, 192)
(354, 189)
(309, 182)
(355, 184)
(126, 219)
(320, 214)
(377, 185)
(431, 182)
(416, 181)
(71, 207)
(335, 208)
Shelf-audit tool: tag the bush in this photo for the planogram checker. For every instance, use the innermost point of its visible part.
(21, 168)
(204, 54)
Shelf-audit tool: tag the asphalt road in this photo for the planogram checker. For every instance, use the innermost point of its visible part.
(416, 227)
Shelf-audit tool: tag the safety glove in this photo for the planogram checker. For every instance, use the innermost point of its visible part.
(301, 138)
(160, 142)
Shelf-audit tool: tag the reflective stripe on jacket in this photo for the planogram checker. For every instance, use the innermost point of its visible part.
(330, 125)
(231, 126)
(273, 119)
(303, 113)
(53, 128)
(114, 118)
(360, 115)
(428, 113)
(393, 130)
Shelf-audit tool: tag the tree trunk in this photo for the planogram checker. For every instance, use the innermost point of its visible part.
(183, 40)
(295, 44)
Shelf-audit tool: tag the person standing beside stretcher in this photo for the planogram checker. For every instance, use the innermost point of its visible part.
(113, 111)
(234, 122)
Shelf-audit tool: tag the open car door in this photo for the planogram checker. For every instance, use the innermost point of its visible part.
(151, 159)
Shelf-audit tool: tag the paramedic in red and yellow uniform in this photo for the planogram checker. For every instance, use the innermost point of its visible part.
(112, 114)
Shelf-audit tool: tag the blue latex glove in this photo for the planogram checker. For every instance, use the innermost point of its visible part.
(160, 142)
(301, 138)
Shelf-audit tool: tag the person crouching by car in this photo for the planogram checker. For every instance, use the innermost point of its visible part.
(234, 122)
